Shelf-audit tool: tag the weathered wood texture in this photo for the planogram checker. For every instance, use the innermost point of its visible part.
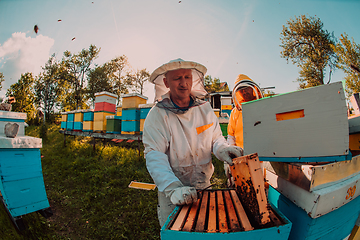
(249, 182)
(312, 177)
(319, 202)
(322, 131)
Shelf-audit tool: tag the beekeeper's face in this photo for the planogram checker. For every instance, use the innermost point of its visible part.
(247, 94)
(180, 83)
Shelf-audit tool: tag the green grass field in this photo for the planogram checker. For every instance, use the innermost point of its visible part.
(88, 191)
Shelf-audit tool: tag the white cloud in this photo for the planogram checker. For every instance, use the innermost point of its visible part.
(20, 54)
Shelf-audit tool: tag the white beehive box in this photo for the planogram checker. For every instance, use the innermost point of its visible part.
(12, 117)
(307, 123)
(105, 97)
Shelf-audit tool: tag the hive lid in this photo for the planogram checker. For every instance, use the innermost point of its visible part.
(146, 105)
(134, 95)
(12, 115)
(106, 93)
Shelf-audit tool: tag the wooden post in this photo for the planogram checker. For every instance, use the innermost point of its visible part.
(64, 139)
(93, 144)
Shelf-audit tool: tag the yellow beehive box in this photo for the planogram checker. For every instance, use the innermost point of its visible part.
(217, 112)
(132, 100)
(101, 116)
(119, 110)
(99, 126)
(88, 125)
(226, 107)
(142, 121)
(63, 117)
(78, 116)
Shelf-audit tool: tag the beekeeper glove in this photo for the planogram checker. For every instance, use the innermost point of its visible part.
(226, 153)
(180, 194)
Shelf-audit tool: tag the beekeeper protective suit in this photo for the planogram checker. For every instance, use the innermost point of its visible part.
(245, 89)
(179, 141)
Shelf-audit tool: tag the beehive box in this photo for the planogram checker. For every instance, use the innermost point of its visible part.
(145, 109)
(71, 116)
(321, 201)
(119, 110)
(105, 107)
(78, 126)
(88, 126)
(63, 125)
(88, 115)
(101, 116)
(217, 112)
(21, 180)
(132, 100)
(78, 115)
(334, 225)
(69, 126)
(130, 114)
(128, 127)
(113, 124)
(226, 107)
(219, 214)
(142, 122)
(63, 116)
(294, 126)
(312, 177)
(105, 97)
(12, 117)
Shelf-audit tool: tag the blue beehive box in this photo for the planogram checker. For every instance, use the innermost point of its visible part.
(70, 117)
(332, 226)
(88, 116)
(130, 114)
(130, 126)
(78, 125)
(63, 125)
(69, 126)
(145, 109)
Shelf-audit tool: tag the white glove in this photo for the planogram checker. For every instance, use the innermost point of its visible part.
(227, 153)
(183, 195)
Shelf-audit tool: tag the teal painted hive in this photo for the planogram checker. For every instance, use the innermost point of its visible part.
(21, 180)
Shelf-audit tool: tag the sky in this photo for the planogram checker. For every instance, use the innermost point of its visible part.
(228, 37)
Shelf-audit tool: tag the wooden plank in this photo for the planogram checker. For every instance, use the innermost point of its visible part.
(325, 124)
(212, 213)
(223, 226)
(241, 212)
(190, 220)
(200, 223)
(181, 217)
(233, 219)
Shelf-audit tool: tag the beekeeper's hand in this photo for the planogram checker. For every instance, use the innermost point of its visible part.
(183, 195)
(227, 153)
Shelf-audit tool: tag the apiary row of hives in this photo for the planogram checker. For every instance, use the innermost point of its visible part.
(127, 118)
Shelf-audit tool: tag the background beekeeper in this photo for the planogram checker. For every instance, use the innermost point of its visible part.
(245, 90)
(180, 132)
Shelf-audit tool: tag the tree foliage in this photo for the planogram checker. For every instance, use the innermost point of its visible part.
(214, 85)
(138, 79)
(1, 79)
(50, 88)
(78, 66)
(99, 81)
(23, 91)
(348, 53)
(310, 47)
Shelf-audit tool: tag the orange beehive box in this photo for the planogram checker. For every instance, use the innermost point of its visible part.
(132, 100)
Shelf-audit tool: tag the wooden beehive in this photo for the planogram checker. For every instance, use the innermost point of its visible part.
(219, 214)
(299, 125)
(132, 100)
(12, 117)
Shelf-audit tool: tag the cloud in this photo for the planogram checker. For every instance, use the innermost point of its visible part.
(20, 54)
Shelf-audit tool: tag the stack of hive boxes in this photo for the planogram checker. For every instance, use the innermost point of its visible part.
(105, 105)
(226, 106)
(303, 139)
(70, 120)
(63, 120)
(78, 120)
(22, 186)
(144, 110)
(130, 123)
(88, 120)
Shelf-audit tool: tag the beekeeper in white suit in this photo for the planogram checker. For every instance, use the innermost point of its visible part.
(180, 133)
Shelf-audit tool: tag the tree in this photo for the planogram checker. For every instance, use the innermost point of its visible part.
(118, 68)
(348, 53)
(98, 81)
(310, 47)
(23, 91)
(49, 88)
(213, 85)
(138, 79)
(78, 65)
(1, 79)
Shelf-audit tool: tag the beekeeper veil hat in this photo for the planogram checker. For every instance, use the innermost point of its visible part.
(244, 82)
(198, 72)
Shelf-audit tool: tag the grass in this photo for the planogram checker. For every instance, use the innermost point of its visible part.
(88, 191)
